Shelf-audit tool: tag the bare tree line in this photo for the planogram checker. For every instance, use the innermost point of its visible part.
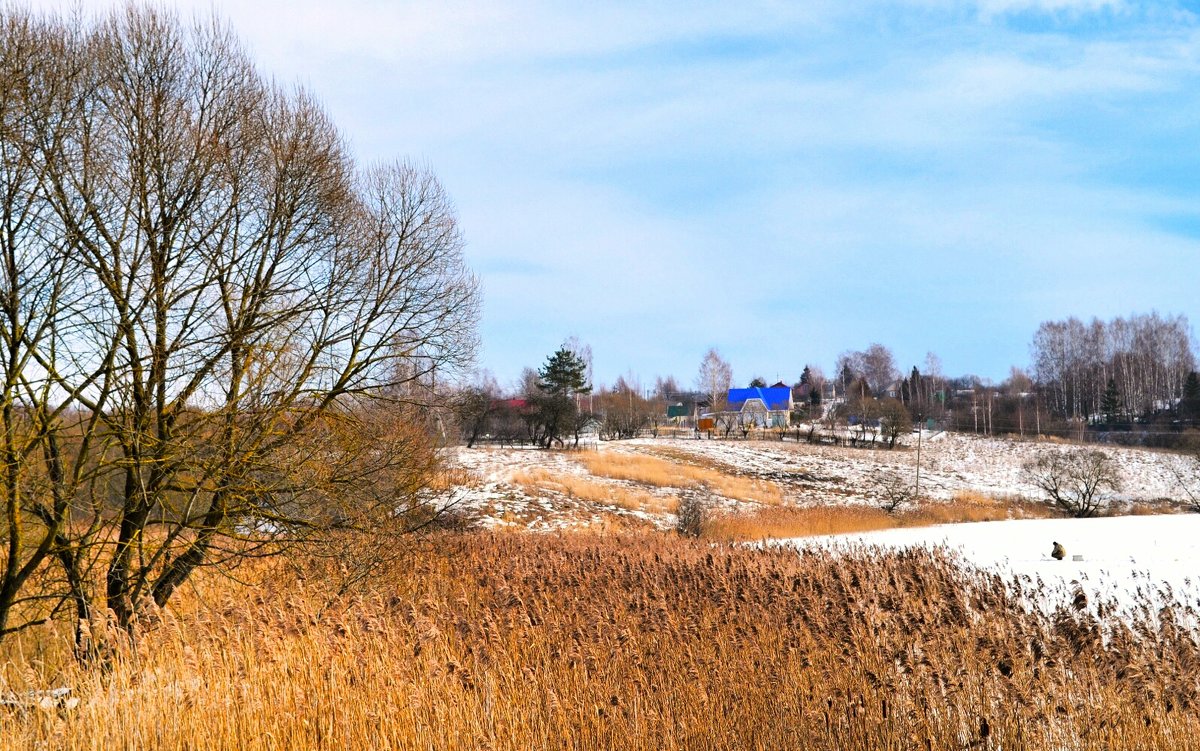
(201, 297)
(1148, 358)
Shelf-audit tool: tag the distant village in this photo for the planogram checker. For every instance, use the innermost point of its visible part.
(1127, 381)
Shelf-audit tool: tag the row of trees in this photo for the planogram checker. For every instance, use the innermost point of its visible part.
(1086, 377)
(218, 334)
(546, 412)
(1143, 361)
(1096, 374)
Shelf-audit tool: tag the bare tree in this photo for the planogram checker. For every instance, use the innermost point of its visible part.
(626, 412)
(1186, 470)
(1147, 357)
(1078, 482)
(894, 490)
(714, 378)
(475, 405)
(894, 421)
(222, 308)
(50, 477)
(879, 368)
(875, 365)
(582, 351)
(666, 388)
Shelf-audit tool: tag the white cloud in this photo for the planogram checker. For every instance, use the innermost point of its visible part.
(1002, 7)
(661, 178)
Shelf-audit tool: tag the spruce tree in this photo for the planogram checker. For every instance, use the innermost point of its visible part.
(1190, 406)
(562, 377)
(1110, 403)
(564, 374)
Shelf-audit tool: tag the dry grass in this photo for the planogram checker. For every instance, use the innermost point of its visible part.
(662, 473)
(639, 642)
(792, 521)
(451, 478)
(537, 481)
(971, 506)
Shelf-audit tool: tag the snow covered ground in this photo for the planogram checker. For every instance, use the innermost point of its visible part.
(808, 475)
(1128, 559)
(950, 464)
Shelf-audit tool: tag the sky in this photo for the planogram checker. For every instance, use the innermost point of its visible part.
(783, 181)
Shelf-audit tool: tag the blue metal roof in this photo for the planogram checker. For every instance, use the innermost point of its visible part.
(772, 397)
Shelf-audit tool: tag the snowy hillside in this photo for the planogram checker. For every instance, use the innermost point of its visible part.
(805, 475)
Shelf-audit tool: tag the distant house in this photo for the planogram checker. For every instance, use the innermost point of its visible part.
(770, 406)
(689, 403)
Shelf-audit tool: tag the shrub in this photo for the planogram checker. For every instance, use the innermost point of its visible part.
(692, 513)
(1077, 482)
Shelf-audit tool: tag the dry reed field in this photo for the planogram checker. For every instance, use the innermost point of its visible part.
(778, 522)
(645, 641)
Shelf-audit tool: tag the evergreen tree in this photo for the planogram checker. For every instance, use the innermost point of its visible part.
(1110, 403)
(563, 377)
(805, 376)
(915, 387)
(564, 374)
(1190, 406)
(758, 383)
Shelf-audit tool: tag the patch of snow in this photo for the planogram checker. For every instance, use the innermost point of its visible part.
(1134, 560)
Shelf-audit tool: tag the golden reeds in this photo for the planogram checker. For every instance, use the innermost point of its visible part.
(805, 521)
(620, 642)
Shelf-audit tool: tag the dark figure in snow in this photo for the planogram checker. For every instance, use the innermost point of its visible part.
(1059, 552)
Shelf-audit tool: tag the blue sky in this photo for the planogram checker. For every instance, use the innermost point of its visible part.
(783, 181)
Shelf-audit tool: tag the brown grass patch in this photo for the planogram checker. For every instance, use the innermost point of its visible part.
(971, 506)
(661, 473)
(794, 521)
(450, 478)
(536, 481)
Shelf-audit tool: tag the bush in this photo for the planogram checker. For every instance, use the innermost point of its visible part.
(692, 514)
(1077, 482)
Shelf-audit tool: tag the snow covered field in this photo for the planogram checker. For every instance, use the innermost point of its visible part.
(950, 463)
(1129, 559)
(808, 475)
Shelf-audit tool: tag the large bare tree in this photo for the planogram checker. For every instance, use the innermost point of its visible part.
(206, 305)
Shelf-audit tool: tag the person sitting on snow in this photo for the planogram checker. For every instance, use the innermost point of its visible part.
(1059, 552)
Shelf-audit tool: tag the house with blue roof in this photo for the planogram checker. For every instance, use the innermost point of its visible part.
(771, 405)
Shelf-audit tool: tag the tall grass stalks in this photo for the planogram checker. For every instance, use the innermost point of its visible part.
(619, 642)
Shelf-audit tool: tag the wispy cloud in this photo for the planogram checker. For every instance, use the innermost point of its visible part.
(782, 180)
